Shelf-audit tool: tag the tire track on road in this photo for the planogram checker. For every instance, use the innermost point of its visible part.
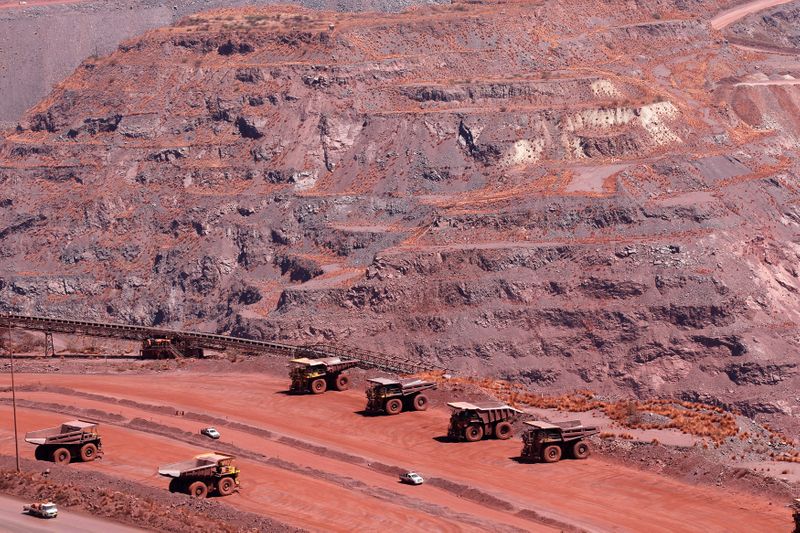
(140, 424)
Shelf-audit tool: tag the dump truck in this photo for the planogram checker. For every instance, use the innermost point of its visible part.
(549, 442)
(42, 510)
(474, 421)
(318, 375)
(390, 396)
(205, 474)
(76, 439)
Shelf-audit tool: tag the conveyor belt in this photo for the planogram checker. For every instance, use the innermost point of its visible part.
(215, 342)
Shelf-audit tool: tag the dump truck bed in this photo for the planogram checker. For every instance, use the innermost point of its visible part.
(483, 406)
(198, 464)
(408, 386)
(328, 361)
(332, 364)
(384, 381)
(73, 431)
(570, 429)
(487, 412)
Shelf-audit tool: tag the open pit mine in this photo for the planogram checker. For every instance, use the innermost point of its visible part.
(578, 210)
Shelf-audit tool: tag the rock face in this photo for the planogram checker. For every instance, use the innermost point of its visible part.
(605, 202)
(42, 42)
(776, 28)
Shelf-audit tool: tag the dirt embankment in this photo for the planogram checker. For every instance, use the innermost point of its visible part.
(124, 501)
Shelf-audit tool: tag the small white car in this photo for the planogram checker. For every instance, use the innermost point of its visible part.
(210, 432)
(412, 478)
(42, 510)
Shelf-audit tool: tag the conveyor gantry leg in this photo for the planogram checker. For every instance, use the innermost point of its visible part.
(49, 349)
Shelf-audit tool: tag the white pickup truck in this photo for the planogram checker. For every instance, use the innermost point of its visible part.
(42, 510)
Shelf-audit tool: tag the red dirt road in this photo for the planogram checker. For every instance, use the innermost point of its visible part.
(726, 18)
(289, 497)
(321, 490)
(13, 521)
(32, 3)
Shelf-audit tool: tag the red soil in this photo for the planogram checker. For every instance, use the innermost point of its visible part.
(591, 494)
(9, 5)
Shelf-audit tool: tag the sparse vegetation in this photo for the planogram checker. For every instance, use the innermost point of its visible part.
(688, 417)
(789, 457)
(255, 19)
(24, 342)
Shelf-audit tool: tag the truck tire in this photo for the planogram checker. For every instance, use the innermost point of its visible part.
(198, 489)
(88, 452)
(420, 402)
(342, 382)
(503, 430)
(551, 454)
(394, 406)
(473, 433)
(581, 450)
(41, 453)
(176, 485)
(62, 456)
(318, 386)
(226, 486)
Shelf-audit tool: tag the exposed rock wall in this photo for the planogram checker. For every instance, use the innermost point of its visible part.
(41, 44)
(502, 188)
